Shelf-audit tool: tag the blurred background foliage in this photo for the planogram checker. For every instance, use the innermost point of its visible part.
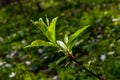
(98, 47)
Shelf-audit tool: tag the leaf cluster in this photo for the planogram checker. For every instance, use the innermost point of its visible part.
(48, 29)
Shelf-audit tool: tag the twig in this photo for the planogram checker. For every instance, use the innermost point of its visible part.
(72, 58)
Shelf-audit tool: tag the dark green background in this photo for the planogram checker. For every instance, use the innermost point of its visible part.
(101, 39)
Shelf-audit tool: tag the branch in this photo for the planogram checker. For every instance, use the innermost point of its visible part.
(73, 58)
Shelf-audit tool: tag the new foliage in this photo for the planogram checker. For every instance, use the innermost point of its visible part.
(48, 29)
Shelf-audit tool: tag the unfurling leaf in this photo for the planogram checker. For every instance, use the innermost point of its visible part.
(51, 30)
(47, 21)
(66, 38)
(73, 38)
(39, 43)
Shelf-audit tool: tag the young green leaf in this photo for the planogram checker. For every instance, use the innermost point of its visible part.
(66, 38)
(51, 30)
(61, 59)
(73, 37)
(47, 20)
(61, 45)
(70, 46)
(41, 25)
(39, 43)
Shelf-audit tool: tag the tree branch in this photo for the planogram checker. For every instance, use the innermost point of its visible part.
(73, 58)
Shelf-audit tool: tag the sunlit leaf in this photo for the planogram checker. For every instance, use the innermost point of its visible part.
(51, 30)
(47, 20)
(66, 38)
(62, 45)
(39, 43)
(73, 37)
(61, 59)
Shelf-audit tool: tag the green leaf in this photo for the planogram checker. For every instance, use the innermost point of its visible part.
(39, 43)
(67, 64)
(62, 45)
(47, 20)
(66, 38)
(51, 30)
(41, 25)
(72, 44)
(61, 59)
(73, 37)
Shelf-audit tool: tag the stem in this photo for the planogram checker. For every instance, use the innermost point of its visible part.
(72, 58)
